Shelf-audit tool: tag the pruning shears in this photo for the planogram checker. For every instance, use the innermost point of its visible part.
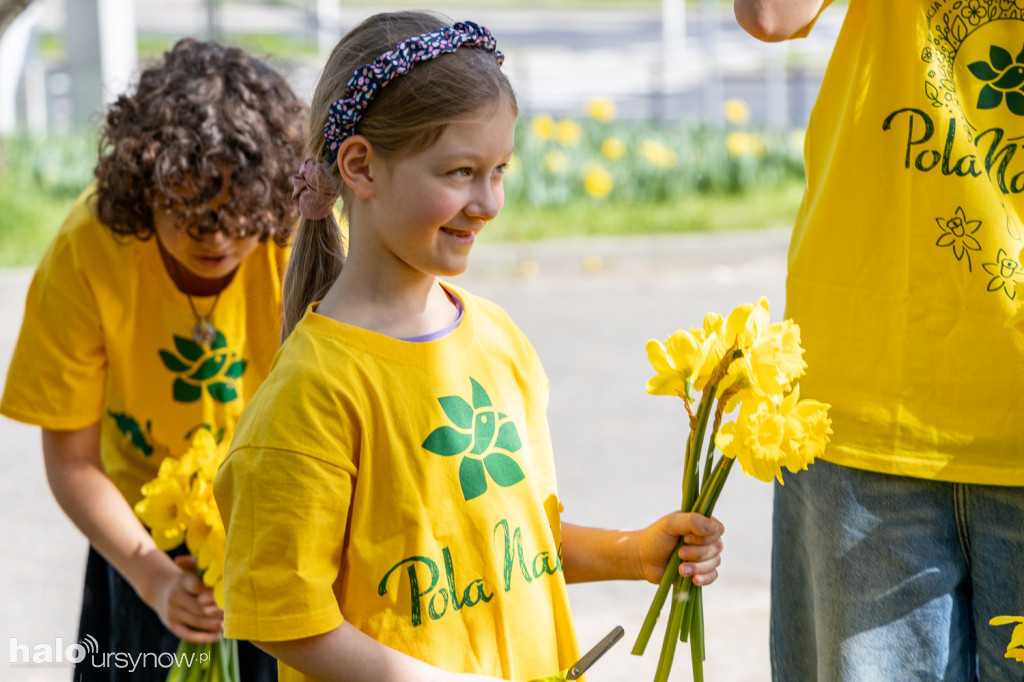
(581, 666)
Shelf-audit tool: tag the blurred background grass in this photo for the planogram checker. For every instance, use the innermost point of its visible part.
(569, 178)
(588, 173)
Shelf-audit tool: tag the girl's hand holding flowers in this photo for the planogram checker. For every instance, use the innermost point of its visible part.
(187, 606)
(700, 556)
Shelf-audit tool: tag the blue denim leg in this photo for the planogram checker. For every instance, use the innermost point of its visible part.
(869, 580)
(993, 523)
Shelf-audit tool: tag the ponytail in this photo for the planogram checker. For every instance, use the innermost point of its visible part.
(316, 261)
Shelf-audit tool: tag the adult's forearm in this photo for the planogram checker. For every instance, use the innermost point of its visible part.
(775, 20)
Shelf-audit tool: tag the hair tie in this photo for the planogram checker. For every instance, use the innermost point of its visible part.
(344, 113)
(313, 191)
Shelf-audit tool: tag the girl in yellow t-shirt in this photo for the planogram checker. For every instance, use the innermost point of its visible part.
(155, 312)
(389, 496)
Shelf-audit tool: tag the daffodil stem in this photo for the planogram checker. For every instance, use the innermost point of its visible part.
(680, 593)
(697, 653)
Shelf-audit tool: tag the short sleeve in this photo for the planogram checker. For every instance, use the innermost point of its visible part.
(806, 30)
(286, 518)
(57, 374)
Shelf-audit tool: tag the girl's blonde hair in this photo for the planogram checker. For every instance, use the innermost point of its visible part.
(405, 117)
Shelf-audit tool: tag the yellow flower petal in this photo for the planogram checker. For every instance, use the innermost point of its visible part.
(567, 133)
(601, 109)
(555, 162)
(657, 154)
(543, 127)
(598, 182)
(736, 112)
(613, 148)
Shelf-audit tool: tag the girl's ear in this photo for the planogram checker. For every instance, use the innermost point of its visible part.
(355, 163)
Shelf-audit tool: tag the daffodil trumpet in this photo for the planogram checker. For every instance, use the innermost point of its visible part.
(745, 361)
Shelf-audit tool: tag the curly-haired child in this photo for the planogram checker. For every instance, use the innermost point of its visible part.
(154, 313)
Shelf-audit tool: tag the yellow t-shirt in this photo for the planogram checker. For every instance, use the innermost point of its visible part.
(406, 487)
(905, 253)
(107, 338)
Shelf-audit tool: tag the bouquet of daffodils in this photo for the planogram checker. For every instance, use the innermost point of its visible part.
(178, 507)
(740, 361)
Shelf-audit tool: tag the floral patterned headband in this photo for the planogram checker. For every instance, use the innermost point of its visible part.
(345, 113)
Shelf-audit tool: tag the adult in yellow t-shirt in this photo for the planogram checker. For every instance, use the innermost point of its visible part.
(892, 556)
(155, 313)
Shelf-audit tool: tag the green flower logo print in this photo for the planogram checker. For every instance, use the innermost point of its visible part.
(214, 368)
(483, 436)
(1004, 77)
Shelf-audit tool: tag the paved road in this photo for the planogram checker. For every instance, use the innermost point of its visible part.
(589, 306)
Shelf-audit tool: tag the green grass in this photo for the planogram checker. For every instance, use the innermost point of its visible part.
(41, 182)
(754, 208)
(43, 177)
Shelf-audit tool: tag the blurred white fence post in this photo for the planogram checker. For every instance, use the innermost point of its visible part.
(776, 86)
(15, 58)
(328, 25)
(713, 91)
(102, 53)
(673, 40)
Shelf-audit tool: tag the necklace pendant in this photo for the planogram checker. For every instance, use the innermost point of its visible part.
(204, 333)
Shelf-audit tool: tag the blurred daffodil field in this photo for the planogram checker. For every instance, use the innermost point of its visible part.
(591, 174)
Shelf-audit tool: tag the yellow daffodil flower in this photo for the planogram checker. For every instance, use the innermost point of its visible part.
(814, 417)
(746, 324)
(162, 509)
(555, 162)
(600, 109)
(756, 439)
(676, 364)
(567, 133)
(657, 154)
(736, 112)
(613, 148)
(597, 182)
(543, 127)
(765, 436)
(739, 143)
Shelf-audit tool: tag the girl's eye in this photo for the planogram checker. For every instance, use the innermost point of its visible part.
(500, 170)
(463, 172)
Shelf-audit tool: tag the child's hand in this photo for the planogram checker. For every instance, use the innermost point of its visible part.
(700, 555)
(186, 605)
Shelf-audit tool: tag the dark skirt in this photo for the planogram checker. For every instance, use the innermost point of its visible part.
(128, 637)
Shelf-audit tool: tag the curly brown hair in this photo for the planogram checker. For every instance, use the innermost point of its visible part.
(205, 115)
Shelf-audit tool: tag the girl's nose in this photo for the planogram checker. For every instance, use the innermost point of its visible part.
(487, 200)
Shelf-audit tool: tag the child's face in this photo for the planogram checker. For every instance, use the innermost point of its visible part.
(214, 255)
(427, 208)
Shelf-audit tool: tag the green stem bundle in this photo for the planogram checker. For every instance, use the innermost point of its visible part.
(700, 493)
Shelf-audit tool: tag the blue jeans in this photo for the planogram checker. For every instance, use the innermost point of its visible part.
(887, 578)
